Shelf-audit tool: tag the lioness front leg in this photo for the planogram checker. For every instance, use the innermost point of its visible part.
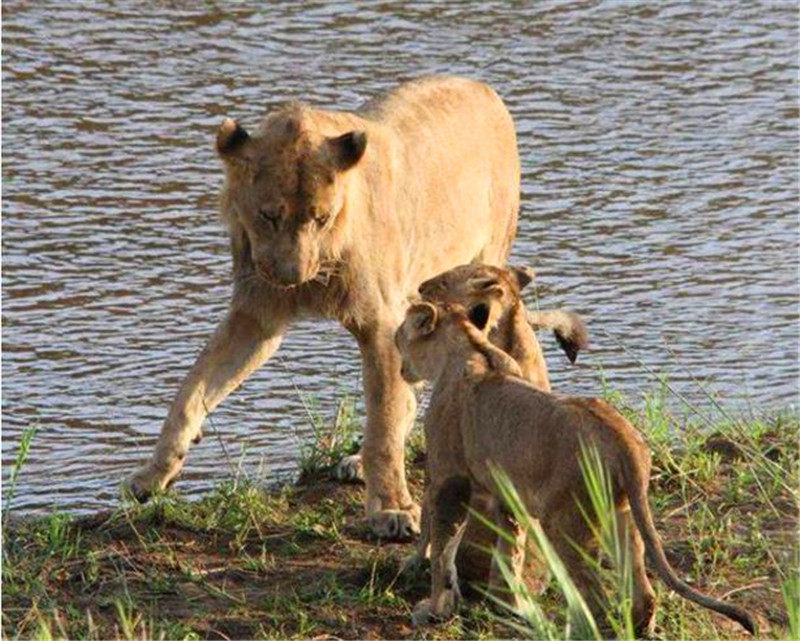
(240, 344)
(391, 407)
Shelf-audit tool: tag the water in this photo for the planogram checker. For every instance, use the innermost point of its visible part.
(660, 165)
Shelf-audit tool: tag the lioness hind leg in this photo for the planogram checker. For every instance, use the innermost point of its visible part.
(240, 345)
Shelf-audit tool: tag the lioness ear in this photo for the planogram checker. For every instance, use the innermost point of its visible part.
(230, 137)
(423, 317)
(523, 274)
(348, 149)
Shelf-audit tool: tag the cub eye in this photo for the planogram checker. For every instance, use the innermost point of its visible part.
(270, 216)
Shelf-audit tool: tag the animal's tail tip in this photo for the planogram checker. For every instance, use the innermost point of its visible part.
(572, 337)
(746, 621)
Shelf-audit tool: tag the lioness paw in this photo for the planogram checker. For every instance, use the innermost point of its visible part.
(145, 482)
(350, 469)
(395, 525)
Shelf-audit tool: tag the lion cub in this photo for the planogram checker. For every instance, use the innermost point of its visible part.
(469, 285)
(536, 438)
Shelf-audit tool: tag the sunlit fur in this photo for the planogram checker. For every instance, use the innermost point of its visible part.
(536, 438)
(436, 185)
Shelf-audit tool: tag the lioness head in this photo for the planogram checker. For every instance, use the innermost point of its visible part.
(429, 333)
(474, 284)
(285, 192)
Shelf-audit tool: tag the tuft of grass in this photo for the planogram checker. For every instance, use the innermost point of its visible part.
(330, 443)
(790, 590)
(579, 622)
(615, 576)
(22, 455)
(293, 561)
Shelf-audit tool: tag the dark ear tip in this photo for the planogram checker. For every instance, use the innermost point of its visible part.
(523, 274)
(355, 139)
(349, 148)
(230, 136)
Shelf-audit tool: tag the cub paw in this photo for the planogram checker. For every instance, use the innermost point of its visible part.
(426, 611)
(422, 614)
(395, 525)
(350, 469)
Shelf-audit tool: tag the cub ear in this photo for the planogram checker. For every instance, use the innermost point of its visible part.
(484, 315)
(487, 285)
(423, 318)
(347, 149)
(523, 274)
(479, 315)
(231, 136)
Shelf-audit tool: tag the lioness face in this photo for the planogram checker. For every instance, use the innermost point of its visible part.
(474, 284)
(287, 187)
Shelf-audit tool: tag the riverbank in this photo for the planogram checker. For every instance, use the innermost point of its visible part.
(297, 561)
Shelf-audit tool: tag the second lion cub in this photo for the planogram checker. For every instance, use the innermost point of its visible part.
(536, 438)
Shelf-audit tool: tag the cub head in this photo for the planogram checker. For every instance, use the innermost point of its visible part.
(431, 332)
(477, 284)
(284, 197)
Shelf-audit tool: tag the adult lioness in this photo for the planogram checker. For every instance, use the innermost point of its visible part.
(470, 285)
(342, 215)
(536, 438)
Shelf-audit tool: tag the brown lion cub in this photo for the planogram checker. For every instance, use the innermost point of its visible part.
(470, 285)
(536, 438)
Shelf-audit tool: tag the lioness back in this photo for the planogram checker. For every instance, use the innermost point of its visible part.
(456, 170)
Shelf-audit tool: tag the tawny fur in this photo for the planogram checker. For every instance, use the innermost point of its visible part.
(536, 438)
(470, 285)
(342, 215)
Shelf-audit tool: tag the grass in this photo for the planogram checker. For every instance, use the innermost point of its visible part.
(248, 561)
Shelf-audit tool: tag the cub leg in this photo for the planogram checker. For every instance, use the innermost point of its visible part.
(573, 541)
(643, 594)
(423, 548)
(510, 547)
(474, 558)
(239, 346)
(448, 508)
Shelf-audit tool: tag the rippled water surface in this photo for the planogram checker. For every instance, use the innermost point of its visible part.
(659, 149)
